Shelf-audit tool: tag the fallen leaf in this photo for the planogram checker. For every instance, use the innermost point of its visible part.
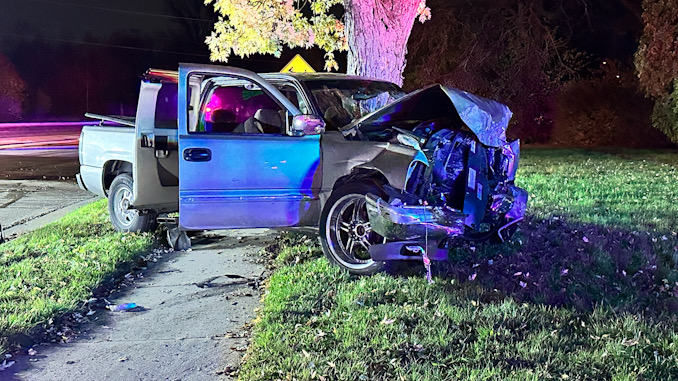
(629, 342)
(228, 370)
(387, 321)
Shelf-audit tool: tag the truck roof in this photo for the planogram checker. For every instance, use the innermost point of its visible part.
(159, 75)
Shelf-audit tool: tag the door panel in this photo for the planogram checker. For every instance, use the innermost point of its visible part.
(155, 185)
(251, 181)
(238, 180)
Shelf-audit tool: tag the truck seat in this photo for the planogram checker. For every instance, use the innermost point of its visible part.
(263, 121)
(270, 120)
(223, 120)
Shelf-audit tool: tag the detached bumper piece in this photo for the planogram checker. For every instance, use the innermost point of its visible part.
(516, 213)
(404, 222)
(519, 205)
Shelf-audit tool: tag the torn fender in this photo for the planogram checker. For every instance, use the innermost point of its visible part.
(341, 157)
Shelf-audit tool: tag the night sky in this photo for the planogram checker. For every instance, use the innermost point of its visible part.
(92, 22)
(82, 22)
(111, 43)
(72, 20)
(80, 56)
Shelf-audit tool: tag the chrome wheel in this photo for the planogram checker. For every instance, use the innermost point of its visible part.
(122, 199)
(123, 216)
(349, 232)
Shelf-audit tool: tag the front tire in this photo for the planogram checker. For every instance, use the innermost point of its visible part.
(122, 217)
(345, 231)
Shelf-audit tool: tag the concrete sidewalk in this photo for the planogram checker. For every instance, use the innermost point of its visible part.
(193, 306)
(26, 205)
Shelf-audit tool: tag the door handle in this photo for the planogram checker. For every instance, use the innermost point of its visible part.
(197, 154)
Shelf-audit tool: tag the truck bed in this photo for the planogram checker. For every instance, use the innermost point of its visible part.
(105, 143)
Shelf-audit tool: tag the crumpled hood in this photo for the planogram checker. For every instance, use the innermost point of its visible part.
(488, 119)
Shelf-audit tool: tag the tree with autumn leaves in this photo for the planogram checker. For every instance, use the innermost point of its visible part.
(374, 32)
(657, 63)
(12, 92)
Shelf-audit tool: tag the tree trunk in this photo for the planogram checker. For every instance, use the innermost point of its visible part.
(378, 31)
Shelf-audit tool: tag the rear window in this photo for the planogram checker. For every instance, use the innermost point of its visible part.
(166, 106)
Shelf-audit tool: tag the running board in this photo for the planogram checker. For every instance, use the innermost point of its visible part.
(167, 220)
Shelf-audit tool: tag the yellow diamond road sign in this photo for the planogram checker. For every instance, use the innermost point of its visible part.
(297, 65)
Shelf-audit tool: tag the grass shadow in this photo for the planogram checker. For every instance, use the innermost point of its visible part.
(561, 263)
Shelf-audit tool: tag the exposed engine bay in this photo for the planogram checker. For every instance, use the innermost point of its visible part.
(460, 183)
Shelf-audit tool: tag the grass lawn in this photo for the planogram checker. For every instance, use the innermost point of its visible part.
(587, 289)
(55, 268)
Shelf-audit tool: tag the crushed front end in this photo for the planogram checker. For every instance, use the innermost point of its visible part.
(459, 185)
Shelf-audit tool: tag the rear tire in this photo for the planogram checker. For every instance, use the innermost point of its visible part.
(345, 232)
(120, 198)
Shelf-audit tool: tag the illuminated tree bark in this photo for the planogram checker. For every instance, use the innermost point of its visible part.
(377, 37)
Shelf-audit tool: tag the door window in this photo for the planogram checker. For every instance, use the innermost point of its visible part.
(240, 108)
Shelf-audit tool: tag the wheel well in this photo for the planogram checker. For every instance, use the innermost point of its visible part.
(362, 174)
(112, 169)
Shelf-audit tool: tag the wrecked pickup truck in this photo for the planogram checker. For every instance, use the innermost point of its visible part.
(384, 175)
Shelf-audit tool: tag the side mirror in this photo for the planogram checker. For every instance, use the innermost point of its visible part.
(307, 125)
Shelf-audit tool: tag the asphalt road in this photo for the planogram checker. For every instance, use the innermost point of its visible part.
(29, 154)
(39, 164)
(39, 151)
(193, 307)
(31, 135)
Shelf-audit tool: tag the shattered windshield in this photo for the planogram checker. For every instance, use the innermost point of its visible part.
(343, 100)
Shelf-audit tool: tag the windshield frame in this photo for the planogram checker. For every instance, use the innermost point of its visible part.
(313, 85)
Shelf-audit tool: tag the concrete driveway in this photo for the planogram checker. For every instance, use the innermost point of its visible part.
(188, 326)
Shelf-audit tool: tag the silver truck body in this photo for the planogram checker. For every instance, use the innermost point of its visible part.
(242, 150)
